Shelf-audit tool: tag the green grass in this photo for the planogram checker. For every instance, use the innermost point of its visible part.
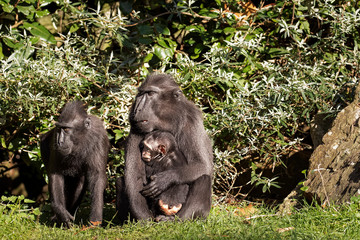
(335, 222)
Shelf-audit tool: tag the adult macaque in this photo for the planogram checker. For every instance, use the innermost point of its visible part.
(160, 105)
(75, 156)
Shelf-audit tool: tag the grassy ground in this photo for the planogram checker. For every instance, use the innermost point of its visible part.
(224, 222)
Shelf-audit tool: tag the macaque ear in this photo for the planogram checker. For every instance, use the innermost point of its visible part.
(162, 149)
(87, 123)
(177, 94)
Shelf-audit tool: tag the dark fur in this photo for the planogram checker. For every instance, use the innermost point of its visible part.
(74, 161)
(172, 158)
(160, 105)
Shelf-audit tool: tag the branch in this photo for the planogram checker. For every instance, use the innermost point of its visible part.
(100, 87)
(148, 19)
(97, 85)
(17, 24)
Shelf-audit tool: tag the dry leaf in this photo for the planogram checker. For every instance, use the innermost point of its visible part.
(281, 230)
(245, 211)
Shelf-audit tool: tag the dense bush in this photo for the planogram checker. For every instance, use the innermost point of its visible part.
(258, 80)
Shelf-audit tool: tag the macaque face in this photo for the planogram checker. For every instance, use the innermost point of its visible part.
(152, 151)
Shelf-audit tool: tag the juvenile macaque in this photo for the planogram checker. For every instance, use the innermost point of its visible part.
(160, 153)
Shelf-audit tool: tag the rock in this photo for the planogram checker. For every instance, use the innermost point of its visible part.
(319, 126)
(334, 172)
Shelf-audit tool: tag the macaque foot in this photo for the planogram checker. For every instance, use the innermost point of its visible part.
(167, 209)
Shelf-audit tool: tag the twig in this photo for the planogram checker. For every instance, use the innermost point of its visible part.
(97, 85)
(293, 14)
(196, 15)
(100, 87)
(8, 168)
(149, 18)
(16, 3)
(166, 13)
(322, 180)
(17, 24)
(259, 216)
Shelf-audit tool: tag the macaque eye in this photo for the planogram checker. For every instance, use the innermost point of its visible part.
(151, 93)
(66, 130)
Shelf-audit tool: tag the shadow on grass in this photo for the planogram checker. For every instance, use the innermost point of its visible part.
(82, 215)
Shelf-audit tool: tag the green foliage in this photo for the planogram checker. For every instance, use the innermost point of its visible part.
(258, 81)
(259, 180)
(17, 209)
(21, 16)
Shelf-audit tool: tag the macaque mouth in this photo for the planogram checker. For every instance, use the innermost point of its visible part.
(143, 121)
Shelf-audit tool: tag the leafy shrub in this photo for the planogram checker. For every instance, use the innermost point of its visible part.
(258, 80)
(17, 209)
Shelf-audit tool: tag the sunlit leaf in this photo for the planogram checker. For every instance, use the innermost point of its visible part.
(6, 6)
(148, 57)
(40, 31)
(1, 52)
(74, 28)
(26, 10)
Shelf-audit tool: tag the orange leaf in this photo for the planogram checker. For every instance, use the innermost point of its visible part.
(245, 211)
